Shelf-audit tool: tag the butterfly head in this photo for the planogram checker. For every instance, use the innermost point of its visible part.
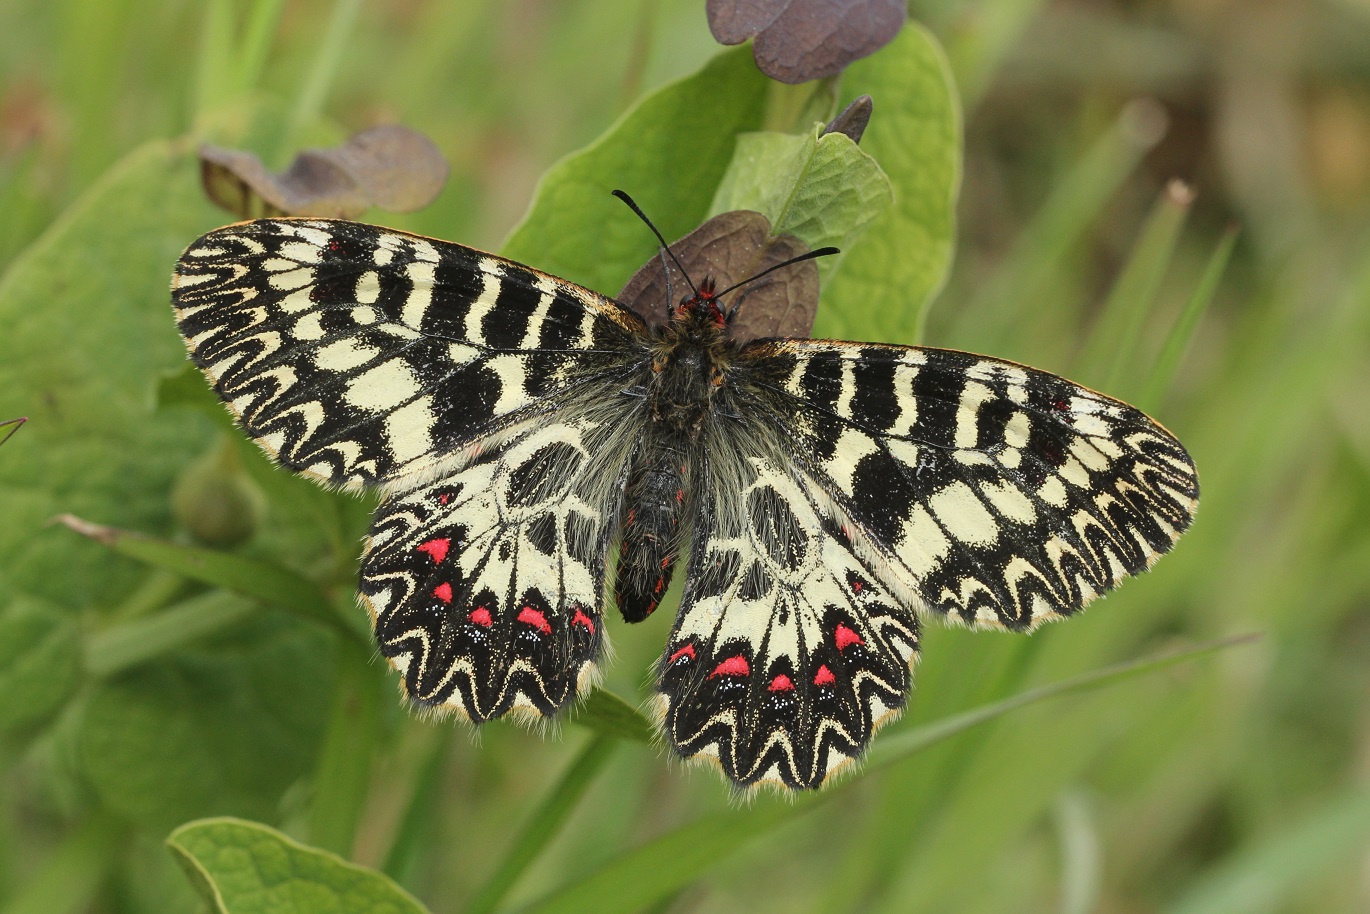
(703, 306)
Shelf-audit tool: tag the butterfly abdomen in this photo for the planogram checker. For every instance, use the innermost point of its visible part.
(653, 525)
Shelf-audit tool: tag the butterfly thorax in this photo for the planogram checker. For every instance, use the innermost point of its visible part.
(691, 356)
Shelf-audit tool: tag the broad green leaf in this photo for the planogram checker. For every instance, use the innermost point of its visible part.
(191, 735)
(88, 334)
(40, 662)
(890, 277)
(659, 867)
(241, 867)
(669, 153)
(823, 189)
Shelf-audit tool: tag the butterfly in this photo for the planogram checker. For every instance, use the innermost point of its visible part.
(819, 498)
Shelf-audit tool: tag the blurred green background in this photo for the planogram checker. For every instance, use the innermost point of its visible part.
(1239, 782)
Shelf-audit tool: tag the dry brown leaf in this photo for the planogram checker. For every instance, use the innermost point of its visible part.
(800, 40)
(390, 167)
(730, 248)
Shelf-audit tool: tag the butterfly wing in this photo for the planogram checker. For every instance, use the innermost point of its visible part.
(878, 481)
(485, 586)
(358, 355)
(482, 395)
(787, 654)
(992, 493)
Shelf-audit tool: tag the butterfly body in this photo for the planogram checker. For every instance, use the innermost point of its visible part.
(816, 496)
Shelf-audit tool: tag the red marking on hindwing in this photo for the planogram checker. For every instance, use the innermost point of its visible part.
(530, 616)
(824, 676)
(845, 637)
(444, 498)
(733, 666)
(481, 616)
(436, 549)
(581, 619)
(686, 651)
(443, 592)
(781, 683)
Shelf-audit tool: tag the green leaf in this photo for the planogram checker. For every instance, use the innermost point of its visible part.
(823, 189)
(40, 662)
(189, 735)
(88, 335)
(669, 153)
(243, 867)
(659, 867)
(891, 276)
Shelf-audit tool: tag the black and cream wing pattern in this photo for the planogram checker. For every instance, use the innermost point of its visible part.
(821, 499)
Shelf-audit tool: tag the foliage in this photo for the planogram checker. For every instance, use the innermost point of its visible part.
(153, 685)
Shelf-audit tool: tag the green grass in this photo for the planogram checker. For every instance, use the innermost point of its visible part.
(151, 682)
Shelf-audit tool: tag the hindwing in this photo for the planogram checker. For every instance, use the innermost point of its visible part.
(485, 585)
(788, 651)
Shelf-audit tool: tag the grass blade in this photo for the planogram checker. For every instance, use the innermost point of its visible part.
(606, 713)
(255, 578)
(1163, 372)
(1111, 348)
(1262, 877)
(991, 319)
(654, 870)
(129, 644)
(544, 823)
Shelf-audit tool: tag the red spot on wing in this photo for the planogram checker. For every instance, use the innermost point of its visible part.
(581, 619)
(436, 549)
(530, 616)
(824, 676)
(733, 666)
(781, 683)
(481, 616)
(845, 637)
(686, 651)
(444, 498)
(443, 592)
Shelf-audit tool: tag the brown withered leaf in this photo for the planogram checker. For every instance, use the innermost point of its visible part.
(730, 248)
(800, 40)
(390, 167)
(853, 119)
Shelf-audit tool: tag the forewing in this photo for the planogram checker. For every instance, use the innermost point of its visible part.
(787, 654)
(486, 586)
(359, 355)
(992, 493)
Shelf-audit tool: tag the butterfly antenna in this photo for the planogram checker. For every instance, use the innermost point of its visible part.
(821, 252)
(664, 246)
